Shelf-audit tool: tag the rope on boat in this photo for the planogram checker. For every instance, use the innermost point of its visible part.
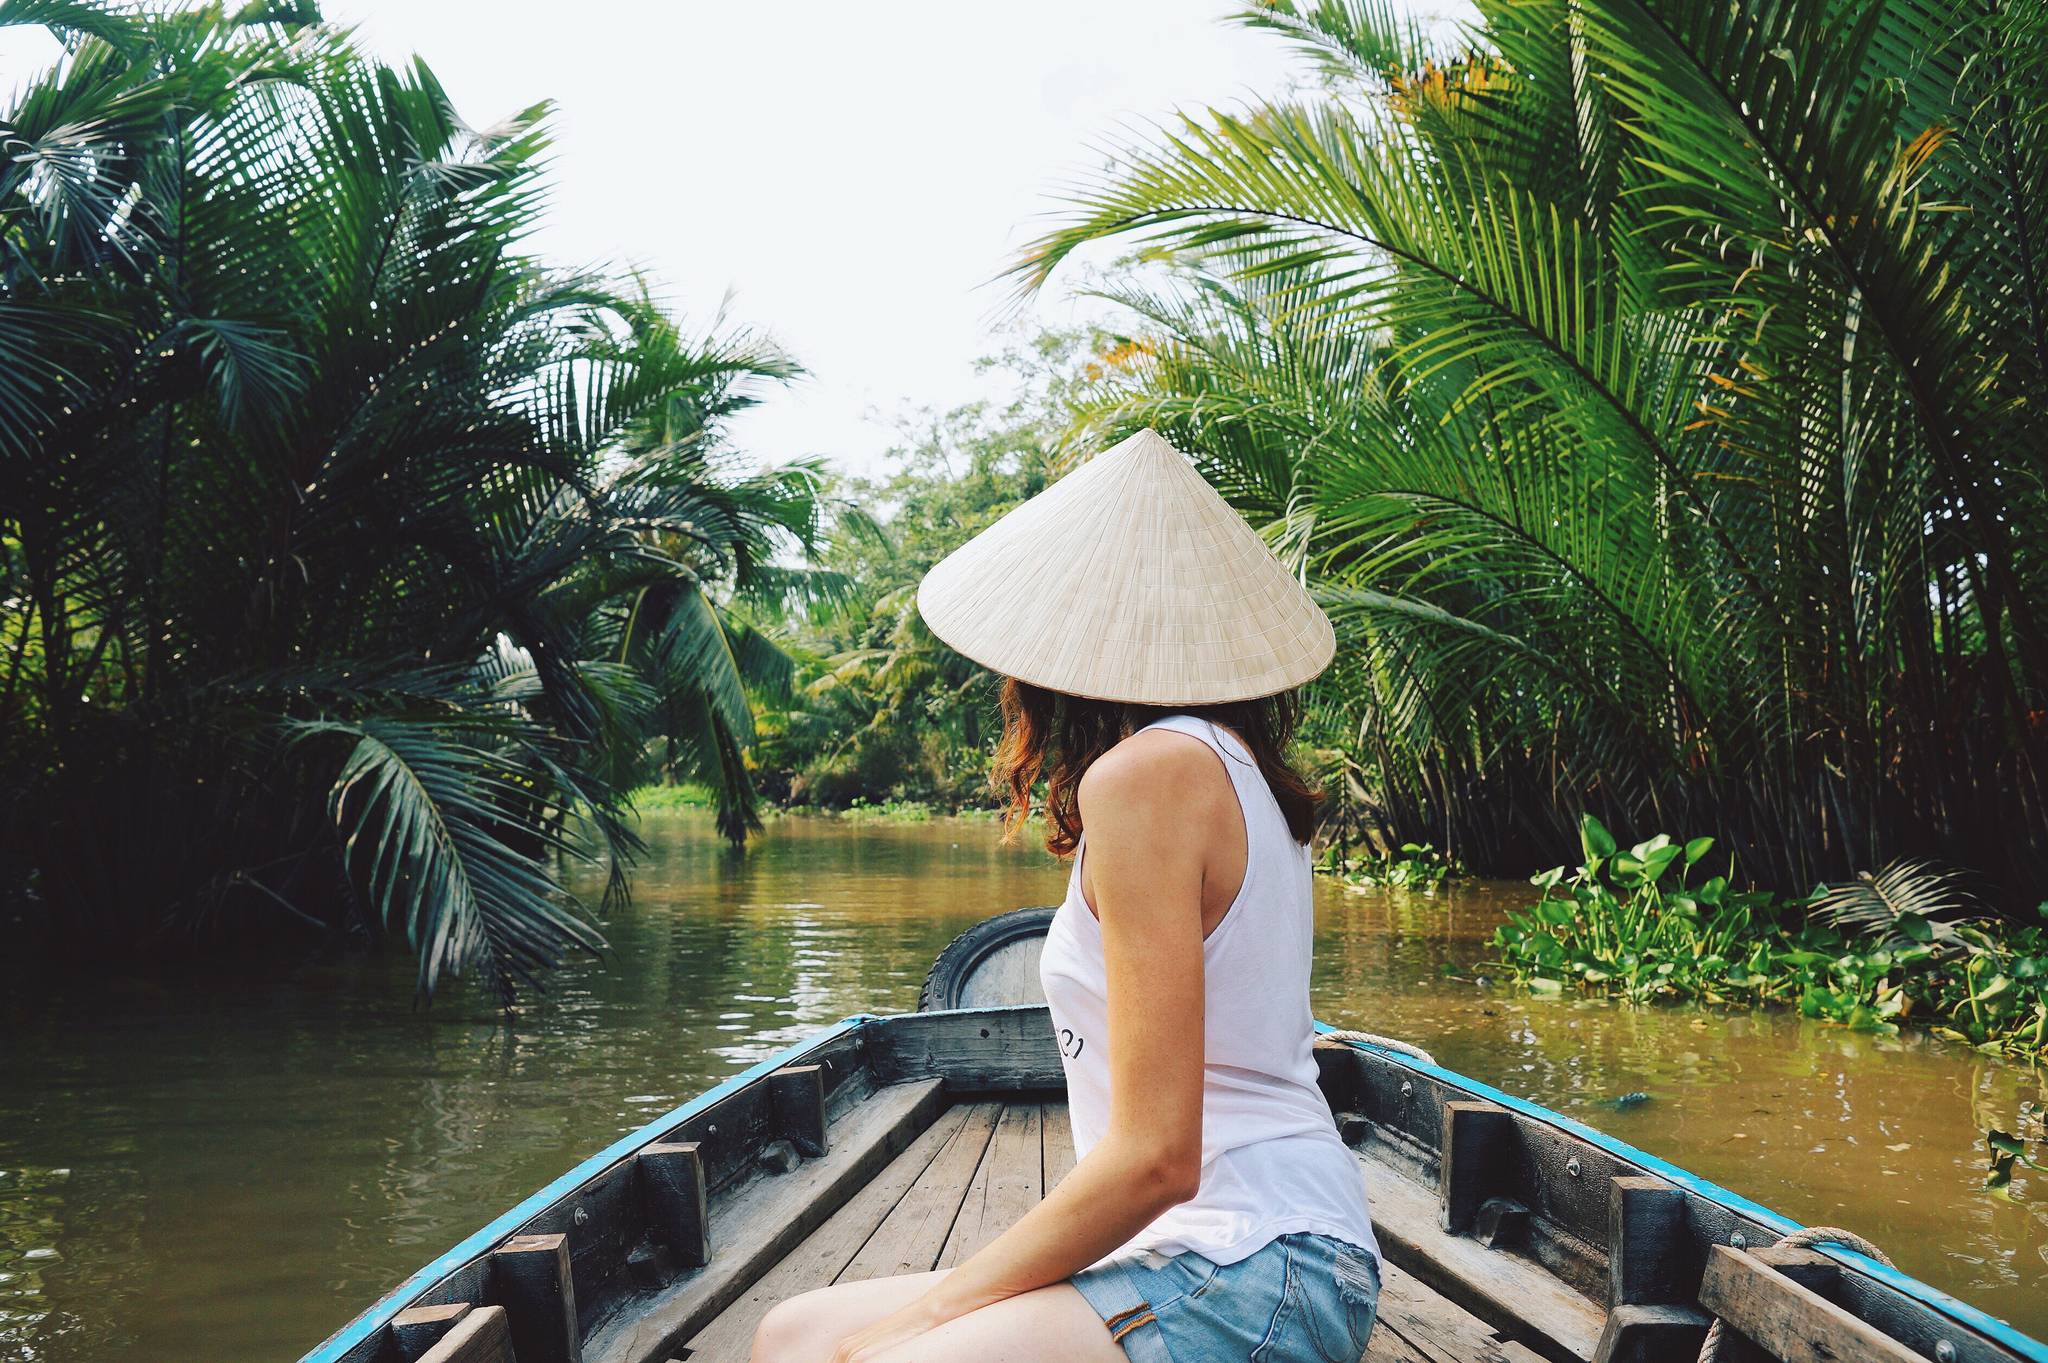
(1333, 1039)
(1806, 1238)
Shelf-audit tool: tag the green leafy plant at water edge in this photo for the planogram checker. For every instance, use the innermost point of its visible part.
(1412, 866)
(889, 811)
(1634, 924)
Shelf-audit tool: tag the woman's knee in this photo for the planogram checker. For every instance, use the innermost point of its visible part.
(790, 1333)
(808, 1327)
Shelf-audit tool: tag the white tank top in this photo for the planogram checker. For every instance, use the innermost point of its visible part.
(1272, 1162)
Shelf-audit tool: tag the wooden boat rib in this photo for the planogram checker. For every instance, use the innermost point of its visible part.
(893, 1144)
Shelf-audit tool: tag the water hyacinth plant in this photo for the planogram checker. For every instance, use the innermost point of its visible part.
(1632, 923)
(1624, 923)
(1411, 866)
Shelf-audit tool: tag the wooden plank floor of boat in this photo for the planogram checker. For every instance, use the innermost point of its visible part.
(973, 1172)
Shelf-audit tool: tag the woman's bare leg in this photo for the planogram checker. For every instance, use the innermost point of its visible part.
(1052, 1323)
(807, 1328)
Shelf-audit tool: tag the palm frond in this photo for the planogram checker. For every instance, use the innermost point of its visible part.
(423, 809)
(1646, 383)
(1911, 899)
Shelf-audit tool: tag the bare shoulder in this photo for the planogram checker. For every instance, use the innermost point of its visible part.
(1153, 768)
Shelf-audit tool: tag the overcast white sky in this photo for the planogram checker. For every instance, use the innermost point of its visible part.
(854, 173)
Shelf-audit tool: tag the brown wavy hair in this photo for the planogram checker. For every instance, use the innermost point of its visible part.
(1057, 736)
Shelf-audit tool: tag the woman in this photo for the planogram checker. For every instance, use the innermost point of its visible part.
(1150, 643)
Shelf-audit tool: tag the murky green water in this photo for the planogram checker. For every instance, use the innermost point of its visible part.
(218, 1174)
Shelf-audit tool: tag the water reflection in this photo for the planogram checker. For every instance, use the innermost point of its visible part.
(246, 1169)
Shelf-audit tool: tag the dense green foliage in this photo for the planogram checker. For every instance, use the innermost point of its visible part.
(1873, 953)
(1651, 389)
(355, 564)
(881, 710)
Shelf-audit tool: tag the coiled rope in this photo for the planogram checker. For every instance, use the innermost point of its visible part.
(1807, 1238)
(1332, 1040)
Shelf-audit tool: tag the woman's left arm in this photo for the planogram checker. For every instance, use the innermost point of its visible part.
(1145, 866)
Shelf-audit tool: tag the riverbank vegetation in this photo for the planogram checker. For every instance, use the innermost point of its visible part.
(1646, 398)
(355, 561)
(1642, 923)
(880, 713)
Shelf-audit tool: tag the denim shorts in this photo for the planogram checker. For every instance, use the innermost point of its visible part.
(1299, 1299)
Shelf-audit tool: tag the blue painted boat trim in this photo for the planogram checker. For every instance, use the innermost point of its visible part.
(1956, 1309)
(379, 1315)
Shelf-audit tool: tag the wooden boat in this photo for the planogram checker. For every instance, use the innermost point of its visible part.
(893, 1144)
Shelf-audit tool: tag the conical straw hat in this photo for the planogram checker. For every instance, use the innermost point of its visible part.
(1129, 579)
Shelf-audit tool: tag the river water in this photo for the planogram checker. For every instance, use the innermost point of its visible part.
(213, 1171)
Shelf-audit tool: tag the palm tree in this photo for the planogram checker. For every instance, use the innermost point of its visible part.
(1660, 410)
(883, 707)
(323, 504)
(713, 546)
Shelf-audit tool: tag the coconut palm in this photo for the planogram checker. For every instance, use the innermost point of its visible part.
(1661, 411)
(332, 519)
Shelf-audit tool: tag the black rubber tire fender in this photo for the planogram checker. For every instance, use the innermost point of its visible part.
(946, 983)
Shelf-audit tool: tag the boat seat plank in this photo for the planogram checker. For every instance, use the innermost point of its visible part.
(1385, 1346)
(1435, 1329)
(1790, 1320)
(914, 1233)
(753, 1228)
(1009, 1183)
(825, 1254)
(1490, 1283)
(1059, 1144)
